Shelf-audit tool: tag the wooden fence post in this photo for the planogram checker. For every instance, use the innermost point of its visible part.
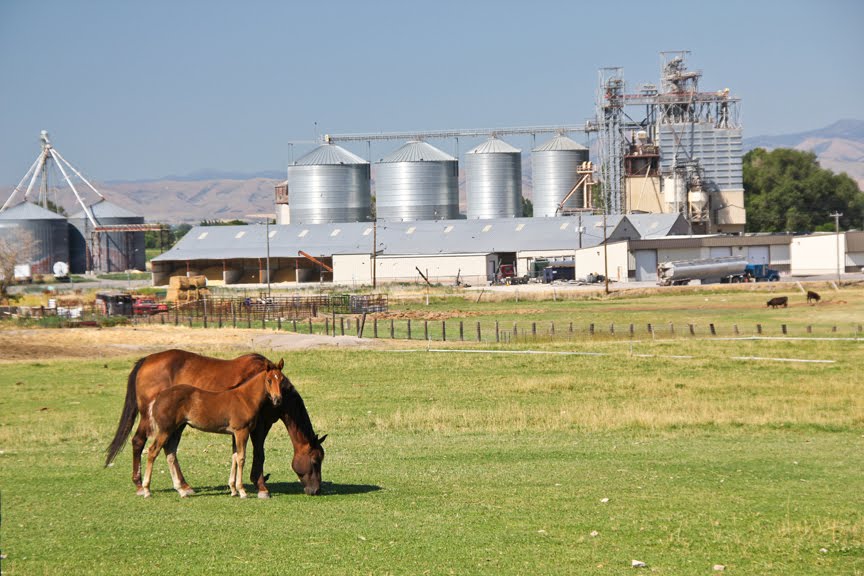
(409, 329)
(375, 327)
(735, 329)
(612, 328)
(759, 328)
(692, 330)
(809, 329)
(392, 329)
(713, 330)
(632, 330)
(443, 330)
(461, 332)
(534, 329)
(591, 329)
(497, 334)
(310, 325)
(552, 328)
(425, 330)
(783, 328)
(479, 337)
(326, 326)
(342, 325)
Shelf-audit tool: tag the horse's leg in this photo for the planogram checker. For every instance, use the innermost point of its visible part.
(240, 438)
(232, 477)
(138, 442)
(174, 464)
(153, 451)
(259, 434)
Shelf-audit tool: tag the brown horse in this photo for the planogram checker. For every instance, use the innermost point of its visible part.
(162, 370)
(233, 411)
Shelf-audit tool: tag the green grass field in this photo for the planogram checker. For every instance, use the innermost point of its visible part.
(471, 463)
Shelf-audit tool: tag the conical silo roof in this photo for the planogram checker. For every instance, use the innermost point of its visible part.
(418, 151)
(494, 146)
(105, 209)
(559, 142)
(29, 211)
(329, 154)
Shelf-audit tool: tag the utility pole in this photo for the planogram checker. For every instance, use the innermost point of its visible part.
(374, 252)
(605, 254)
(836, 216)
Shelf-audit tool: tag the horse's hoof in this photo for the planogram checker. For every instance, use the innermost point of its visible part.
(140, 492)
(146, 494)
(264, 495)
(242, 495)
(186, 493)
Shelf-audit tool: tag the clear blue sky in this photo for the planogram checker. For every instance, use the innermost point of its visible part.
(144, 89)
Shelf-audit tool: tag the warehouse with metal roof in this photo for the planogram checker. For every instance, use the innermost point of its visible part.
(344, 254)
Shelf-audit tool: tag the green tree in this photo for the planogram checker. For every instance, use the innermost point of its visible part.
(787, 191)
(234, 222)
(527, 207)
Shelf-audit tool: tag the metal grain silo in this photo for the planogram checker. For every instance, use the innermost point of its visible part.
(417, 182)
(327, 185)
(493, 172)
(110, 251)
(41, 236)
(554, 166)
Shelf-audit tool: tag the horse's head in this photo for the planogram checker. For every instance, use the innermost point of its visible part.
(273, 378)
(307, 466)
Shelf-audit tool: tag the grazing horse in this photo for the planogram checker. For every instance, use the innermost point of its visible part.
(162, 370)
(813, 297)
(233, 411)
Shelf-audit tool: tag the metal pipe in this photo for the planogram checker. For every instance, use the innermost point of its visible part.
(16, 189)
(78, 196)
(55, 153)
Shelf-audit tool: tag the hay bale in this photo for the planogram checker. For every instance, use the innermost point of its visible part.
(197, 281)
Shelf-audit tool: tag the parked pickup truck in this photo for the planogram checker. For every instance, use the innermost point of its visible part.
(148, 306)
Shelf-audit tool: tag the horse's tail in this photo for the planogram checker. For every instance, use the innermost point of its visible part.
(127, 417)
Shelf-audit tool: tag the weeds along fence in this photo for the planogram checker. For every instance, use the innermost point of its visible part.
(487, 331)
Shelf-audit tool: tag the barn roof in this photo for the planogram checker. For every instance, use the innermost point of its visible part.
(394, 238)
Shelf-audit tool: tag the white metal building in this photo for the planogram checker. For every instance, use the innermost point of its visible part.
(470, 249)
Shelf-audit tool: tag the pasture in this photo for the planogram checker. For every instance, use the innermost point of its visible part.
(683, 453)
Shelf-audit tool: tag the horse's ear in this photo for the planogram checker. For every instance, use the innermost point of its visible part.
(281, 364)
(321, 439)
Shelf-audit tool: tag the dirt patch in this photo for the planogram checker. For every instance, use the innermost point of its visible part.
(53, 343)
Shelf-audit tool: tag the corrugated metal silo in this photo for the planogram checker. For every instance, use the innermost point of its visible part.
(327, 185)
(554, 164)
(417, 182)
(494, 180)
(116, 251)
(41, 234)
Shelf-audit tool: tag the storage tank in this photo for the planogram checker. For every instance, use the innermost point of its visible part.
(554, 165)
(116, 251)
(677, 272)
(41, 236)
(493, 172)
(327, 185)
(417, 182)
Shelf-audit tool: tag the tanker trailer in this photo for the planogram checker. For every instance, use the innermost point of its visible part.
(678, 272)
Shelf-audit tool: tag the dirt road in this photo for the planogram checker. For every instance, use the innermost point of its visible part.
(46, 343)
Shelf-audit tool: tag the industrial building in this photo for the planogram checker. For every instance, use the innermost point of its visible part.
(815, 254)
(442, 250)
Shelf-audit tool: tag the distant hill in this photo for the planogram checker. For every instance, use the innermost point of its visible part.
(839, 147)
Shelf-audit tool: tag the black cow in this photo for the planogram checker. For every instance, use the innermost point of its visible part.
(778, 301)
(813, 297)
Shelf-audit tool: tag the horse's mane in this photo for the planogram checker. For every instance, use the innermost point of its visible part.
(256, 359)
(296, 410)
